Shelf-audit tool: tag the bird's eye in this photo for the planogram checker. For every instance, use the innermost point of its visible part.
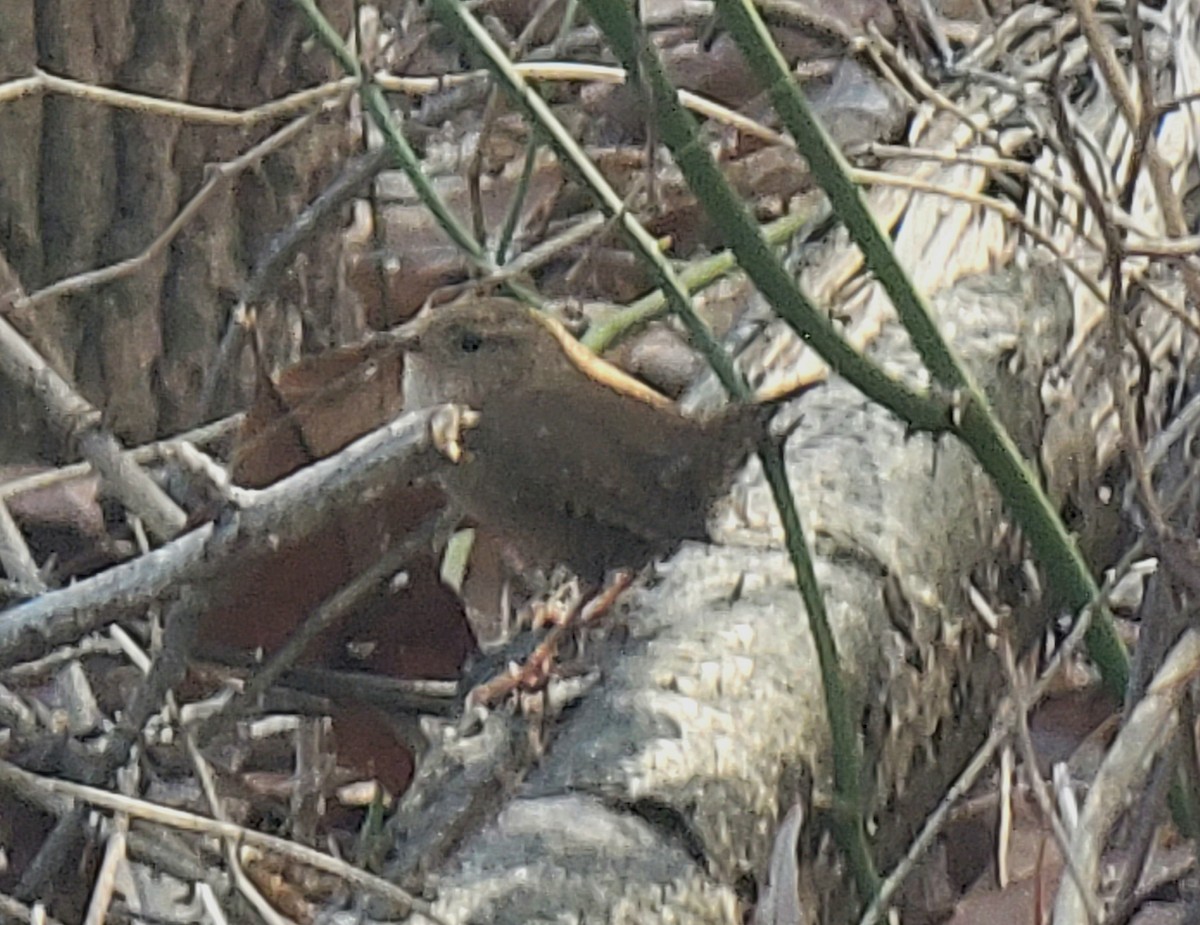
(470, 341)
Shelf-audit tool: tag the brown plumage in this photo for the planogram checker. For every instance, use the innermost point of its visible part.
(572, 460)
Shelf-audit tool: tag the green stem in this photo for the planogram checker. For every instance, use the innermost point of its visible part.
(976, 425)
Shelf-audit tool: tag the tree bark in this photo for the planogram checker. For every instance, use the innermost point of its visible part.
(87, 185)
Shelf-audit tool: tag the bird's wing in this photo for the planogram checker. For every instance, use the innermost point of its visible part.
(611, 459)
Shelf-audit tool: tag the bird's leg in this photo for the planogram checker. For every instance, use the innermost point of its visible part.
(538, 668)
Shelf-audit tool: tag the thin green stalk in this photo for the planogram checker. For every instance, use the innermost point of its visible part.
(849, 827)
(831, 170)
(406, 158)
(471, 33)
(518, 202)
(678, 131)
(696, 277)
(745, 239)
(976, 425)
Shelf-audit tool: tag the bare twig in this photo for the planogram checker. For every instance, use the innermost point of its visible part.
(114, 857)
(15, 556)
(218, 177)
(147, 453)
(1041, 793)
(562, 71)
(286, 512)
(56, 795)
(326, 615)
(1002, 729)
(77, 419)
(1148, 732)
(45, 82)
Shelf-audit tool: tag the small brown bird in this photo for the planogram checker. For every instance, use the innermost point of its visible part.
(573, 460)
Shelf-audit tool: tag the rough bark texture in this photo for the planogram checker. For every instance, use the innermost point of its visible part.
(86, 185)
(657, 796)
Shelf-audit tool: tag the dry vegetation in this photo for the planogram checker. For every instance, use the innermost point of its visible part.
(233, 679)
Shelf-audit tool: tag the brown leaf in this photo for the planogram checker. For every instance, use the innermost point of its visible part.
(417, 629)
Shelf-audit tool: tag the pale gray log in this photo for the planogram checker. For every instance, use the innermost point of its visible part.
(659, 793)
